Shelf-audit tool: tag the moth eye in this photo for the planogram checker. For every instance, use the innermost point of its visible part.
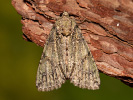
(88, 53)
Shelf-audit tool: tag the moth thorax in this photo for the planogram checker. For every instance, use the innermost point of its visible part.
(66, 32)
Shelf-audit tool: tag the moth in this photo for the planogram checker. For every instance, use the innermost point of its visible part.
(66, 55)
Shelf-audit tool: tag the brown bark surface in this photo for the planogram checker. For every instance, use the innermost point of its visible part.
(107, 26)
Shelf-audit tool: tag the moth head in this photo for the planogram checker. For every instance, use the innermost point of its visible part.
(65, 25)
(65, 14)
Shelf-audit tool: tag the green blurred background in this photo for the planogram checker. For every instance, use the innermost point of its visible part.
(18, 66)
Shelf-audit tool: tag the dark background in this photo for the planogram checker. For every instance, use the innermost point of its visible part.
(18, 66)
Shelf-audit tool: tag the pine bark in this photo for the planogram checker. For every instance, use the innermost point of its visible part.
(107, 26)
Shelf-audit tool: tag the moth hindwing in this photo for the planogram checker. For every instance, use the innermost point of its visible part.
(66, 55)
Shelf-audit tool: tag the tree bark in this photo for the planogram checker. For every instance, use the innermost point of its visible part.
(107, 26)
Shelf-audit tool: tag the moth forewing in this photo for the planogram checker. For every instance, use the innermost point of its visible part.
(66, 55)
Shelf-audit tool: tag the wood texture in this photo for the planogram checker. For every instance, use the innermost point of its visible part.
(107, 26)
